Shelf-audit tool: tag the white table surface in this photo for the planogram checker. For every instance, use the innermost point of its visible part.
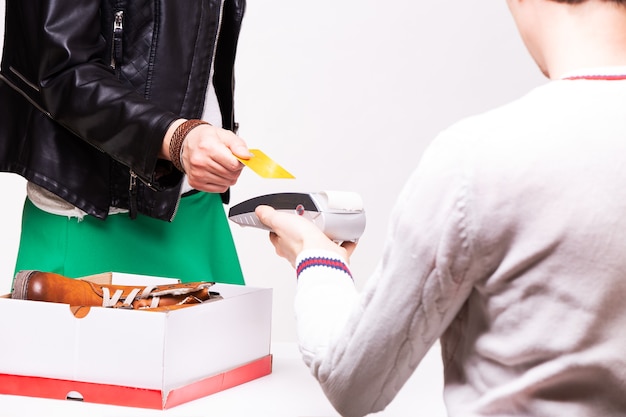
(289, 391)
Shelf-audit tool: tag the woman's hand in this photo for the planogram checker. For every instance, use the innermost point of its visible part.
(292, 234)
(208, 156)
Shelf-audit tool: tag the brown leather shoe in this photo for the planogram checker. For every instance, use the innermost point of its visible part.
(51, 287)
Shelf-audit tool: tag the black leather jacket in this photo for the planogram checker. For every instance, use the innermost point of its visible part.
(88, 89)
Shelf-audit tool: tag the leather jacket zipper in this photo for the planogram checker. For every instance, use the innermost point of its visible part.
(133, 190)
(235, 126)
(22, 92)
(30, 100)
(116, 44)
(219, 28)
(176, 208)
(132, 195)
(217, 35)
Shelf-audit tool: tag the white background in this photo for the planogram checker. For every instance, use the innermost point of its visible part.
(346, 96)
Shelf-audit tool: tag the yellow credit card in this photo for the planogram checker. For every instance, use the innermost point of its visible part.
(264, 166)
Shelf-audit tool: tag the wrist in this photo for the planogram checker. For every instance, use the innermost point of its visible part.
(165, 147)
(177, 140)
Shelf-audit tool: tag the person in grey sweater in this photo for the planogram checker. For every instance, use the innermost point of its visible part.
(507, 243)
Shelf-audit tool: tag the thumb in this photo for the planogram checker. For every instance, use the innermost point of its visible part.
(235, 144)
(241, 151)
(264, 213)
(349, 246)
(238, 147)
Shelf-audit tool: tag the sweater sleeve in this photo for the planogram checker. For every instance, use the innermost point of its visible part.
(363, 347)
(325, 296)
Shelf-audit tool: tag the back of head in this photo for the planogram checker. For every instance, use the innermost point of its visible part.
(583, 1)
(565, 35)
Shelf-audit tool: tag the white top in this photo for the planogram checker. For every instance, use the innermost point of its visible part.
(508, 242)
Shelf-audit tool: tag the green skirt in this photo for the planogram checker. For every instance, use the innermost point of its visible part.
(196, 246)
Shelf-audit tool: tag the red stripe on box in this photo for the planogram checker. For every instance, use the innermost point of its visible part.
(221, 382)
(32, 386)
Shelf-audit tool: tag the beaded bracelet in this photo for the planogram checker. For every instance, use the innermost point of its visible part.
(176, 144)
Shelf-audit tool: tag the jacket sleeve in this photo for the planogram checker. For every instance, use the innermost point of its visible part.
(79, 90)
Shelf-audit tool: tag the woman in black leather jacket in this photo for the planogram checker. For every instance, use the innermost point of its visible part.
(100, 103)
